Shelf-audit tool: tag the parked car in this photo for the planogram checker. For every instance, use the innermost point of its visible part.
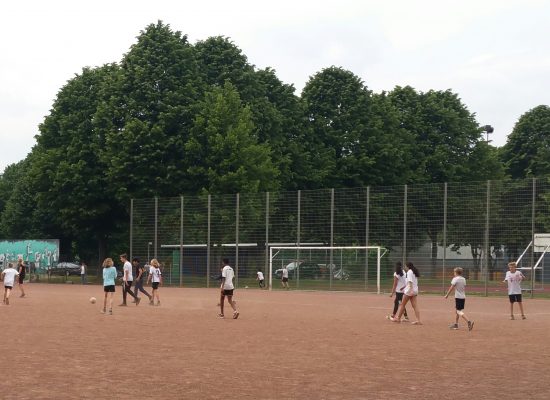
(312, 270)
(65, 269)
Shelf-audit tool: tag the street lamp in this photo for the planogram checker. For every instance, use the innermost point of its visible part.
(488, 129)
(148, 246)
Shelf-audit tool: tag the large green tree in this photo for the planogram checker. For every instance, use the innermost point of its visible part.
(527, 151)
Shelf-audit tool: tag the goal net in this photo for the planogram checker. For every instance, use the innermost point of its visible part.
(326, 267)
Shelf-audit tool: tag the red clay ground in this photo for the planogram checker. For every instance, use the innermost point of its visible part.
(285, 345)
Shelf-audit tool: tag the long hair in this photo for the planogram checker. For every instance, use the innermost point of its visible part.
(399, 268)
(410, 265)
(108, 262)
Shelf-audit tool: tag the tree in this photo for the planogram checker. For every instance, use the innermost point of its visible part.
(527, 151)
(152, 112)
(224, 155)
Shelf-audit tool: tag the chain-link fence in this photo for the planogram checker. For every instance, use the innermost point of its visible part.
(479, 226)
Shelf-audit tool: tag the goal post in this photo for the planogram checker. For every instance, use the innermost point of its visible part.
(326, 263)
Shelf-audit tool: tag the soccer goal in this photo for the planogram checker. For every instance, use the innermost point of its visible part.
(326, 266)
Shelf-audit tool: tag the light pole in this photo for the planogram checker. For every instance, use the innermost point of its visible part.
(148, 247)
(488, 129)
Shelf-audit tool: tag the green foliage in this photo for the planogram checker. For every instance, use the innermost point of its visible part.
(527, 152)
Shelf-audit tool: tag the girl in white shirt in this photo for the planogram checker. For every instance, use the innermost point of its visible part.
(410, 294)
(399, 283)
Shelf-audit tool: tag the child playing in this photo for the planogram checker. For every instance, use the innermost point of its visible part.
(410, 294)
(284, 278)
(227, 289)
(458, 284)
(156, 276)
(8, 276)
(260, 279)
(514, 278)
(109, 276)
(399, 284)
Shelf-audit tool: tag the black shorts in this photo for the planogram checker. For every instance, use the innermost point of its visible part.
(109, 289)
(459, 304)
(9, 287)
(227, 292)
(285, 279)
(156, 285)
(21, 279)
(515, 298)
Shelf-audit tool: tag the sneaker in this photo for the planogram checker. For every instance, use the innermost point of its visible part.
(512, 317)
(406, 319)
(151, 303)
(470, 325)
(455, 326)
(235, 315)
(137, 301)
(523, 317)
(389, 317)
(221, 316)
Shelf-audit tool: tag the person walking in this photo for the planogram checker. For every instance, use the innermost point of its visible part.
(83, 272)
(127, 279)
(140, 274)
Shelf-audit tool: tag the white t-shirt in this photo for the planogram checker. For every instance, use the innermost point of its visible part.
(459, 282)
(9, 276)
(514, 282)
(285, 273)
(228, 274)
(82, 270)
(155, 274)
(128, 267)
(411, 277)
(260, 276)
(401, 282)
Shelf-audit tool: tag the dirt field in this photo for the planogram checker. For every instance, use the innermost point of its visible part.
(285, 345)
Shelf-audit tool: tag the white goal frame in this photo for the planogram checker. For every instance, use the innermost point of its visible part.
(378, 249)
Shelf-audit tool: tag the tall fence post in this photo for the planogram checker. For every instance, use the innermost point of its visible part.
(237, 240)
(533, 210)
(208, 242)
(298, 234)
(487, 255)
(266, 265)
(156, 225)
(404, 250)
(331, 264)
(367, 223)
(444, 236)
(181, 241)
(131, 231)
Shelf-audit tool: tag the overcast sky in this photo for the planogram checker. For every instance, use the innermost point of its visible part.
(495, 54)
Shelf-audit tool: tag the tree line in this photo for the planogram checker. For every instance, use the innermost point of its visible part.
(176, 118)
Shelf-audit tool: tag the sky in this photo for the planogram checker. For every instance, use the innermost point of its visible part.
(494, 54)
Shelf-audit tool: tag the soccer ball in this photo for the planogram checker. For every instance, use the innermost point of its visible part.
(92, 300)
(246, 287)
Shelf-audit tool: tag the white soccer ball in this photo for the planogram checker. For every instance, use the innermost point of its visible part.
(93, 300)
(246, 287)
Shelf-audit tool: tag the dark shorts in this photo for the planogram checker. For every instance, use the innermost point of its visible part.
(109, 289)
(227, 292)
(399, 296)
(9, 287)
(156, 285)
(21, 279)
(515, 298)
(261, 281)
(459, 304)
(285, 279)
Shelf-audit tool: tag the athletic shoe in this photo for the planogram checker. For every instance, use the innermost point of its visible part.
(523, 317)
(151, 302)
(235, 315)
(455, 326)
(512, 317)
(221, 316)
(470, 325)
(137, 301)
(388, 317)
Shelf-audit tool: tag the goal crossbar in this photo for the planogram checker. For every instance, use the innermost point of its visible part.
(299, 248)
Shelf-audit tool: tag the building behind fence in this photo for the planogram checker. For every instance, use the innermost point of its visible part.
(479, 226)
